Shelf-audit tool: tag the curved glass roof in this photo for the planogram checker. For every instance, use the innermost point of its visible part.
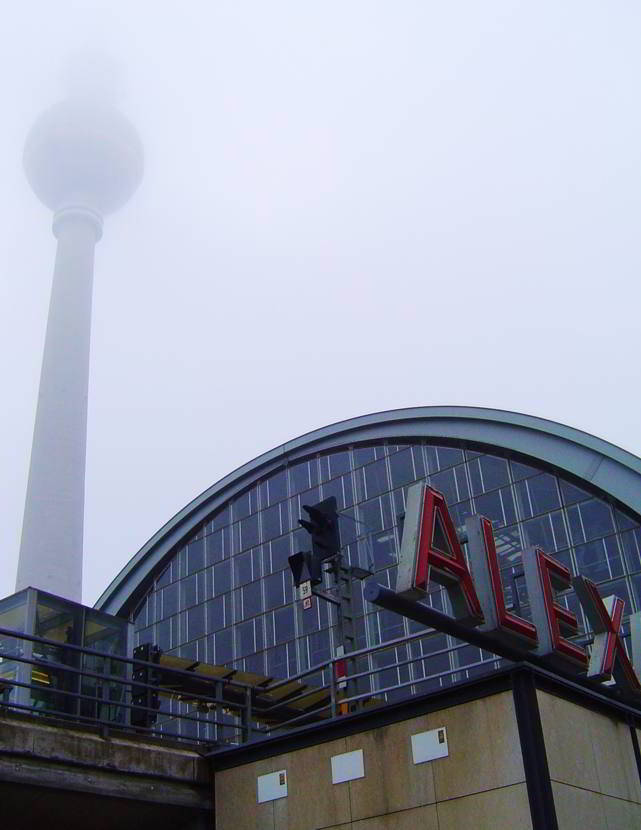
(576, 456)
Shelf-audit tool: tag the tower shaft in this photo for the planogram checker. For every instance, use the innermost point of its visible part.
(52, 531)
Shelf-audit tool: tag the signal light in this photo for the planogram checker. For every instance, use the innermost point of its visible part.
(323, 528)
(305, 567)
(144, 699)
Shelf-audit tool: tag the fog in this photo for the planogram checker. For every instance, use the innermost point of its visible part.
(347, 207)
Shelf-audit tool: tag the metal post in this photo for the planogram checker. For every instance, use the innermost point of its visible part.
(345, 617)
(246, 716)
(332, 690)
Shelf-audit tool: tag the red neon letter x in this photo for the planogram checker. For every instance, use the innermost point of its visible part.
(608, 652)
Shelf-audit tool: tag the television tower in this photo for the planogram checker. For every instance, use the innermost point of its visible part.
(83, 159)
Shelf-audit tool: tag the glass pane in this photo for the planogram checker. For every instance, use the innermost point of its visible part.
(252, 599)
(62, 623)
(222, 577)
(624, 521)
(215, 614)
(104, 633)
(13, 612)
(284, 624)
(589, 520)
(370, 517)
(631, 542)
(339, 463)
(592, 560)
(402, 468)
(335, 488)
(544, 494)
(299, 477)
(448, 457)
(384, 549)
(215, 547)
(245, 643)
(195, 556)
(445, 483)
(188, 592)
(376, 479)
(241, 506)
(13, 617)
(280, 550)
(223, 646)
(363, 455)
(222, 518)
(545, 533)
(170, 600)
(249, 532)
(520, 471)
(494, 472)
(274, 591)
(571, 493)
(271, 524)
(243, 568)
(196, 622)
(277, 487)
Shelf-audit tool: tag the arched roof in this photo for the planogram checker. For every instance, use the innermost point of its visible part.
(604, 466)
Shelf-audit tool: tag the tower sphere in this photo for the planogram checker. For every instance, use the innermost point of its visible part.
(83, 154)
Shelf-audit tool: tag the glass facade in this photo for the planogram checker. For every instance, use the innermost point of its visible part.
(226, 596)
(33, 673)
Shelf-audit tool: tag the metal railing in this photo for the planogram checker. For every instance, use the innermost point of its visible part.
(76, 685)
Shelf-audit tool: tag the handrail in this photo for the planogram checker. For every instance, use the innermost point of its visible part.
(84, 695)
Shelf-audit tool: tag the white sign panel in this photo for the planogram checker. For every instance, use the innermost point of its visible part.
(426, 746)
(347, 766)
(272, 786)
(305, 590)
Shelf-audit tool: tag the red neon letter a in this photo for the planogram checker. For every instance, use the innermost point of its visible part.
(440, 557)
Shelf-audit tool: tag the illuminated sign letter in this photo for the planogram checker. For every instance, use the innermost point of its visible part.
(481, 550)
(608, 655)
(430, 549)
(543, 576)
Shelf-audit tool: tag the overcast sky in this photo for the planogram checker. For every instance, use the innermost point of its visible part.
(347, 207)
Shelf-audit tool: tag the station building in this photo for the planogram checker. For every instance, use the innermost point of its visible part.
(458, 738)
(213, 584)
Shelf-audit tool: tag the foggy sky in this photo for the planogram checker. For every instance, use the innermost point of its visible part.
(347, 207)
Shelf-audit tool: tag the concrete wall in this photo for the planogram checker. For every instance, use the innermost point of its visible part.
(481, 783)
(52, 776)
(592, 767)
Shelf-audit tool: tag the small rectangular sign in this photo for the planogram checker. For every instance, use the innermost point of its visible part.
(347, 766)
(272, 786)
(305, 590)
(307, 603)
(427, 746)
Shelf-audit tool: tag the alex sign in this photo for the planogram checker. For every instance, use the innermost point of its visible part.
(431, 552)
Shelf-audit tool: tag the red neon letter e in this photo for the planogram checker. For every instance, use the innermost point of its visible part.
(543, 576)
